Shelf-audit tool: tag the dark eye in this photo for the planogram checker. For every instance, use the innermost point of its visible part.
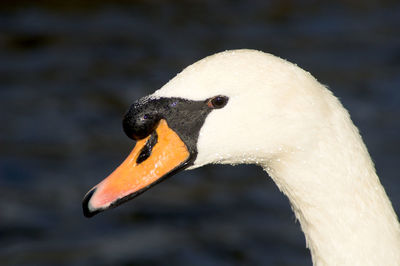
(218, 102)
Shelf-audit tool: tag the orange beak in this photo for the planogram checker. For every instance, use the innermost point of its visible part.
(151, 161)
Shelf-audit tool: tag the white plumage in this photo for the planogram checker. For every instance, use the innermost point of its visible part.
(281, 118)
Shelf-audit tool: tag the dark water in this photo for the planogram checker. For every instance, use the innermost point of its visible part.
(69, 70)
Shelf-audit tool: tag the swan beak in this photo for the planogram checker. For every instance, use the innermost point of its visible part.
(153, 159)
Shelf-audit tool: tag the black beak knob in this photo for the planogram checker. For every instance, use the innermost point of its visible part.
(141, 120)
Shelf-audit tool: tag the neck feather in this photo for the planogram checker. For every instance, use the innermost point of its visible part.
(336, 195)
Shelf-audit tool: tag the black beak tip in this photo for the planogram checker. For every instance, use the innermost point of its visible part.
(85, 205)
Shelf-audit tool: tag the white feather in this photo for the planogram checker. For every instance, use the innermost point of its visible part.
(280, 117)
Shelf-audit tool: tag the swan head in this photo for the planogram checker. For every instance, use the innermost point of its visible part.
(240, 106)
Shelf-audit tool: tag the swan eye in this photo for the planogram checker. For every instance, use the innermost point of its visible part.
(217, 102)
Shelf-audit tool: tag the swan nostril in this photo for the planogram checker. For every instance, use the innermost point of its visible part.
(148, 148)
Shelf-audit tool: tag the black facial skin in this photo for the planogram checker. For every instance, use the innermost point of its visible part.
(184, 117)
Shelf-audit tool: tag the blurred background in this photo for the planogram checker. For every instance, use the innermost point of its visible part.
(70, 69)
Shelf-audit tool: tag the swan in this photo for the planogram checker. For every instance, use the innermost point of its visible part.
(250, 107)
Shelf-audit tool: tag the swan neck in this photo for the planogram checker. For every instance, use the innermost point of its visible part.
(339, 201)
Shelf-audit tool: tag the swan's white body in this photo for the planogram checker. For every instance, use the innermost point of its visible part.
(281, 118)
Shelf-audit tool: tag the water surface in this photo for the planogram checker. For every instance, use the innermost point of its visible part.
(69, 71)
